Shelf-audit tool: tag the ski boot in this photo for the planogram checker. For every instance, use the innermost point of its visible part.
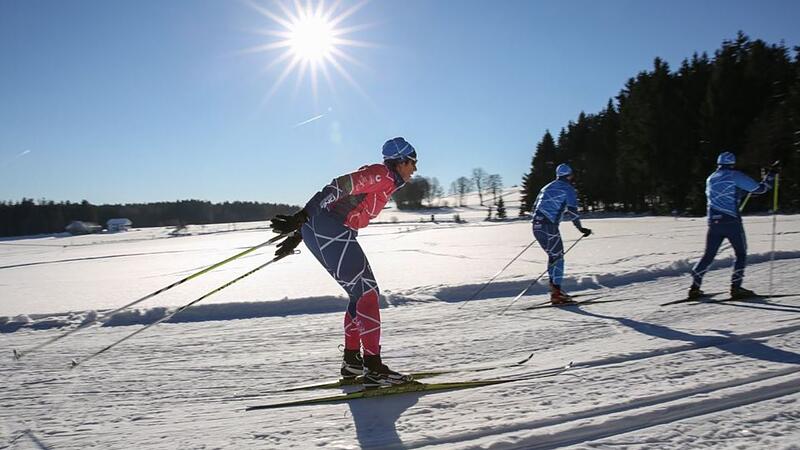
(377, 375)
(352, 364)
(740, 292)
(559, 297)
(694, 292)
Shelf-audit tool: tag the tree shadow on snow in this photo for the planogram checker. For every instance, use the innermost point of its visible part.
(375, 419)
(729, 342)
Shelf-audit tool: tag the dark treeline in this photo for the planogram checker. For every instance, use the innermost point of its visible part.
(652, 149)
(28, 217)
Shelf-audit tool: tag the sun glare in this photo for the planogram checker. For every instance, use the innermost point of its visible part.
(309, 40)
(312, 39)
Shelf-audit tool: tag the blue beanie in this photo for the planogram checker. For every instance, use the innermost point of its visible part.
(563, 170)
(726, 159)
(398, 149)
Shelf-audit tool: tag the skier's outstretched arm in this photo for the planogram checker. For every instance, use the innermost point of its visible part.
(748, 184)
(571, 213)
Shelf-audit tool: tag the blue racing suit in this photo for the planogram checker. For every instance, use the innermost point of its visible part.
(723, 192)
(557, 200)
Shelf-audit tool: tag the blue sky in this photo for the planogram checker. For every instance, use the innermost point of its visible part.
(118, 102)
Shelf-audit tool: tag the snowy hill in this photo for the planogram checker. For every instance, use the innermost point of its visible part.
(445, 208)
(694, 375)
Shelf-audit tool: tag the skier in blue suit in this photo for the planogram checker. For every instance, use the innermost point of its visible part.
(555, 201)
(723, 190)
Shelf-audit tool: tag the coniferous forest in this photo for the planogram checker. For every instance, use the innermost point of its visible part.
(28, 217)
(652, 147)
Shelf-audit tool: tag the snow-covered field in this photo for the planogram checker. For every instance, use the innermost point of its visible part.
(723, 375)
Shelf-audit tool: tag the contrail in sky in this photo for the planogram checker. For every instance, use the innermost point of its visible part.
(13, 158)
(314, 118)
(310, 120)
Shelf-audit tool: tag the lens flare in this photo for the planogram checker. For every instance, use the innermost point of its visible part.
(310, 40)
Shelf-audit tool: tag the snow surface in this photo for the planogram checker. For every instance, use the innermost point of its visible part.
(724, 375)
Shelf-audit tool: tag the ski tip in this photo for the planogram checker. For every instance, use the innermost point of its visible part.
(526, 359)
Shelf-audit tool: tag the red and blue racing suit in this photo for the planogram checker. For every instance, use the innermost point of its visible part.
(336, 213)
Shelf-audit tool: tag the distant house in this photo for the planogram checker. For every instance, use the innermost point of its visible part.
(80, 227)
(118, 225)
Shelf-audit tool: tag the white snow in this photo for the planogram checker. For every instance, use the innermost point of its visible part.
(645, 376)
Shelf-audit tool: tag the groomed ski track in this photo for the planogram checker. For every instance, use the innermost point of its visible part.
(673, 356)
(645, 412)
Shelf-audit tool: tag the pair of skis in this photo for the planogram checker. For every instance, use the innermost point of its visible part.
(589, 301)
(709, 298)
(416, 376)
(347, 382)
(412, 387)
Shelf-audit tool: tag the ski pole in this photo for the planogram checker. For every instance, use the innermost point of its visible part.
(471, 297)
(774, 222)
(540, 276)
(750, 194)
(19, 354)
(76, 362)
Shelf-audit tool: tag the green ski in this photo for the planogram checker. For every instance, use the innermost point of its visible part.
(412, 387)
(342, 382)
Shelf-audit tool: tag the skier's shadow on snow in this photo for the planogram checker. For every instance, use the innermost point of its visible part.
(375, 420)
(729, 342)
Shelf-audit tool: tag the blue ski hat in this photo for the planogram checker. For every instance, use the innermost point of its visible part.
(726, 159)
(398, 149)
(563, 170)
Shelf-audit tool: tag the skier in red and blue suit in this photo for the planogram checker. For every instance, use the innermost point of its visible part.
(328, 225)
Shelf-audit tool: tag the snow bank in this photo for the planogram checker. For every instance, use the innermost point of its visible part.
(332, 304)
(598, 281)
(198, 313)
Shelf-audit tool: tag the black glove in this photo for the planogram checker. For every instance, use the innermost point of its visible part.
(768, 173)
(286, 247)
(774, 168)
(585, 231)
(283, 224)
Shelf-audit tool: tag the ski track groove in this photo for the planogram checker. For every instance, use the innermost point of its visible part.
(639, 420)
(708, 342)
(671, 413)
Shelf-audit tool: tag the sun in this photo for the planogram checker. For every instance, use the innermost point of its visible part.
(309, 40)
(312, 39)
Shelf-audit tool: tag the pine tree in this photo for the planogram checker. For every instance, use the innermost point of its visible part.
(501, 208)
(542, 166)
